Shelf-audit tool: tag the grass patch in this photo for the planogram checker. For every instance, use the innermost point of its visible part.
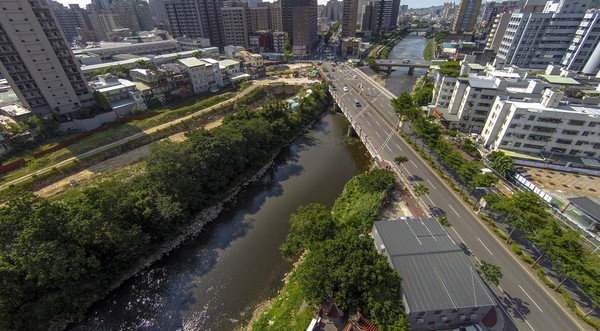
(500, 233)
(527, 259)
(516, 249)
(289, 311)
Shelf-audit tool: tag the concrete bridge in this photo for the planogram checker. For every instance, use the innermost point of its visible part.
(401, 64)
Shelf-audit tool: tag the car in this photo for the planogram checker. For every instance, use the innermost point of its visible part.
(354, 76)
(406, 61)
(356, 103)
(346, 89)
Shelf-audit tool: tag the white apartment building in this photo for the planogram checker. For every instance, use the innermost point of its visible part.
(550, 126)
(534, 40)
(36, 60)
(499, 25)
(584, 52)
(122, 94)
(189, 44)
(205, 74)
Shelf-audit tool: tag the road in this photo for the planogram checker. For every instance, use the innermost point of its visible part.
(520, 294)
(263, 82)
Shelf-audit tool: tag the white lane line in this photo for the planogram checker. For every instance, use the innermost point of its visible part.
(431, 201)
(459, 237)
(516, 308)
(377, 133)
(369, 123)
(388, 147)
(485, 247)
(527, 294)
(398, 147)
(379, 124)
(413, 163)
(478, 260)
(431, 184)
(457, 214)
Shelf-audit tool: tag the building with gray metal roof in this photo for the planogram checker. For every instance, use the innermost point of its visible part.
(440, 287)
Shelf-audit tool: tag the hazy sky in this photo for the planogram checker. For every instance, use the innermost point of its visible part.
(410, 3)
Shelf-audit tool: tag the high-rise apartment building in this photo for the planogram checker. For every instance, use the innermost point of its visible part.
(159, 13)
(36, 60)
(196, 19)
(334, 10)
(467, 15)
(584, 52)
(259, 19)
(382, 16)
(70, 18)
(299, 19)
(497, 30)
(534, 40)
(492, 9)
(235, 23)
(274, 15)
(395, 12)
(349, 18)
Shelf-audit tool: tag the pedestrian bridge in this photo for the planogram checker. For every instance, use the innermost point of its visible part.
(389, 64)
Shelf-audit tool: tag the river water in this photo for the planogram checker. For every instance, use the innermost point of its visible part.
(411, 47)
(214, 281)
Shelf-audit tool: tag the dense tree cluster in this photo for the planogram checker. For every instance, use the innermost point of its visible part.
(57, 256)
(342, 263)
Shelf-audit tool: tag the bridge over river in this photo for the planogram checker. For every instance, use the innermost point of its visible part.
(389, 64)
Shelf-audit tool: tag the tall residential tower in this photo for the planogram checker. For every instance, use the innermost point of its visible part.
(36, 60)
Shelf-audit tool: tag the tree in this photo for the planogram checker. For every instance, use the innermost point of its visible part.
(373, 65)
(490, 272)
(420, 190)
(401, 159)
(524, 211)
(47, 127)
(311, 224)
(403, 105)
(502, 163)
(555, 240)
(423, 96)
(101, 101)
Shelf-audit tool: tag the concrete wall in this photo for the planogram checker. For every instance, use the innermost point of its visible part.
(88, 123)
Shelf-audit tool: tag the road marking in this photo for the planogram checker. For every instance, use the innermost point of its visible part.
(398, 147)
(527, 294)
(369, 123)
(459, 237)
(457, 214)
(516, 308)
(431, 184)
(377, 133)
(379, 124)
(415, 165)
(485, 246)
(388, 147)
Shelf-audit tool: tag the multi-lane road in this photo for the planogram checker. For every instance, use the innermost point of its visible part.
(519, 293)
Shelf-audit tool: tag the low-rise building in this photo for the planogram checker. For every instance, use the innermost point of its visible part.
(260, 41)
(107, 50)
(279, 38)
(190, 44)
(551, 125)
(440, 288)
(350, 47)
(122, 94)
(229, 67)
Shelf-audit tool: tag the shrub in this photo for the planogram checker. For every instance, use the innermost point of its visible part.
(527, 259)
(516, 249)
(545, 279)
(500, 233)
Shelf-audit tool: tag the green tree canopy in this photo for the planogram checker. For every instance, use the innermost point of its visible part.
(490, 272)
(311, 224)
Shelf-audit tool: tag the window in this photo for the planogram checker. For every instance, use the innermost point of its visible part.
(570, 132)
(531, 118)
(437, 312)
(526, 127)
(576, 122)
(558, 150)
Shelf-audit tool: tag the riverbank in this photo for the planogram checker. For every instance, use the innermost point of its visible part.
(200, 220)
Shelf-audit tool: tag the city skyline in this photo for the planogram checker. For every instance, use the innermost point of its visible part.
(410, 3)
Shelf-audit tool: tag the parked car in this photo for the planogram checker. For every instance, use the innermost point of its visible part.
(406, 61)
(346, 89)
(356, 103)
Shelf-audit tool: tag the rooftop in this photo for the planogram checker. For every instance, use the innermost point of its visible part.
(482, 83)
(553, 79)
(192, 62)
(587, 205)
(476, 66)
(227, 63)
(435, 271)
(15, 110)
(90, 68)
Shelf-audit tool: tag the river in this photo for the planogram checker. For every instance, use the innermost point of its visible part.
(410, 47)
(214, 281)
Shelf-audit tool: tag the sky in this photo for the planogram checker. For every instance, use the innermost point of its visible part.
(410, 3)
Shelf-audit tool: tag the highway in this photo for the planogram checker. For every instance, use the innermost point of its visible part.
(521, 295)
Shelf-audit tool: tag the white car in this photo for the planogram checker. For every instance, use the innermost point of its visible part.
(346, 89)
